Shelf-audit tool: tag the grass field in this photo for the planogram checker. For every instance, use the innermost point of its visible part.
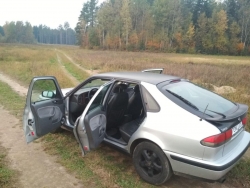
(218, 70)
(110, 167)
(25, 62)
(7, 175)
(202, 69)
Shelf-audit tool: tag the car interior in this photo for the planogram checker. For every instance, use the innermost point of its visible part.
(124, 109)
(125, 112)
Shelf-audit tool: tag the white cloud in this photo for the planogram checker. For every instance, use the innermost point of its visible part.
(47, 12)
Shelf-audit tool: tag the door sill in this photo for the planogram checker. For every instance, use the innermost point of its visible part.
(119, 141)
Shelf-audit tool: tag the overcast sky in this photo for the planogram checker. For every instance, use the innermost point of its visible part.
(47, 12)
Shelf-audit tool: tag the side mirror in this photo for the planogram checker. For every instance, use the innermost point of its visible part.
(48, 94)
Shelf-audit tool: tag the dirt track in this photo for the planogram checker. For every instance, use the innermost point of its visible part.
(37, 169)
(90, 72)
(73, 79)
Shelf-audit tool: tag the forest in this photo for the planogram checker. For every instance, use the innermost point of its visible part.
(184, 26)
(181, 26)
(20, 32)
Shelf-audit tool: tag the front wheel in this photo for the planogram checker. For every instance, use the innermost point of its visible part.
(151, 163)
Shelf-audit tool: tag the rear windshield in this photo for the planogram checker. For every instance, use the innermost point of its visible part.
(199, 98)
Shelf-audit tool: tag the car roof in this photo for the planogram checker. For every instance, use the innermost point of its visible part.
(152, 78)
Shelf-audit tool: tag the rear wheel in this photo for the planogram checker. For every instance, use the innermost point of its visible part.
(151, 163)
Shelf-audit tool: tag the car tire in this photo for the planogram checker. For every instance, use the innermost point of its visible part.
(58, 130)
(151, 163)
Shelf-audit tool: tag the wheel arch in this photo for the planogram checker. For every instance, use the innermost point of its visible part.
(138, 141)
(145, 135)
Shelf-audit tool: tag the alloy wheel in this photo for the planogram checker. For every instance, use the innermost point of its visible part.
(150, 163)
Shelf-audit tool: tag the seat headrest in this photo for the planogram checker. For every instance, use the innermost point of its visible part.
(117, 89)
(123, 86)
(120, 88)
(136, 89)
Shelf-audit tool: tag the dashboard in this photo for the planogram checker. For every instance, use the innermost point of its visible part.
(80, 99)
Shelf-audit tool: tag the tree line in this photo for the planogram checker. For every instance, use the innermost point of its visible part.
(185, 26)
(20, 32)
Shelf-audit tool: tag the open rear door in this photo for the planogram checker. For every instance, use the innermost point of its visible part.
(90, 128)
(158, 71)
(44, 109)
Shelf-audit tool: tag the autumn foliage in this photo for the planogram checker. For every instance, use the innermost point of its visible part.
(189, 26)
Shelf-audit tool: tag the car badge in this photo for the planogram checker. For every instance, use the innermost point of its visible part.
(239, 119)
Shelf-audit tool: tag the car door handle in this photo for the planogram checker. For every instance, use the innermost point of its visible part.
(56, 101)
(30, 122)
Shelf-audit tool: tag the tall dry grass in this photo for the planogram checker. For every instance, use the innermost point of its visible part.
(216, 70)
(26, 61)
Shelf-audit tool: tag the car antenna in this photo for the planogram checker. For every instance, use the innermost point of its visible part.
(204, 113)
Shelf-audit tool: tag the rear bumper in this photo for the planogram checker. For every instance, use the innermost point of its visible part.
(210, 170)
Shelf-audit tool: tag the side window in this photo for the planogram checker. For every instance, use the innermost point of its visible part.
(132, 85)
(43, 90)
(99, 98)
(150, 102)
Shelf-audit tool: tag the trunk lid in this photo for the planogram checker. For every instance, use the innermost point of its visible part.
(236, 122)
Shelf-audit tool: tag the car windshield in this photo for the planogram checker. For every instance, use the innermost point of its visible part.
(200, 98)
(95, 83)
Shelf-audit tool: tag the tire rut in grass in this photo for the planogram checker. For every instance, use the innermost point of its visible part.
(90, 72)
(21, 90)
(72, 78)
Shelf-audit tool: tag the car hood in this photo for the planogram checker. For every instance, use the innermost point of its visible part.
(66, 90)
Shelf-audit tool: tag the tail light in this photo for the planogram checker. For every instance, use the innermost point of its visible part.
(217, 140)
(220, 139)
(244, 121)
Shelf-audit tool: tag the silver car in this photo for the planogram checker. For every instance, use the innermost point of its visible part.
(168, 124)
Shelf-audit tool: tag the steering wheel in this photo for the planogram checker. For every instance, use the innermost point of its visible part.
(92, 92)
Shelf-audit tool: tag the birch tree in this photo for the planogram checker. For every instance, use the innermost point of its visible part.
(127, 26)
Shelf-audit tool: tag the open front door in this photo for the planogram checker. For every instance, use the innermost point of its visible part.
(44, 109)
(90, 128)
(158, 71)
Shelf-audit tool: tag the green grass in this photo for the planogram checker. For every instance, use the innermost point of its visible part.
(11, 100)
(74, 71)
(79, 74)
(14, 103)
(26, 61)
(67, 148)
(103, 167)
(241, 172)
(7, 175)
